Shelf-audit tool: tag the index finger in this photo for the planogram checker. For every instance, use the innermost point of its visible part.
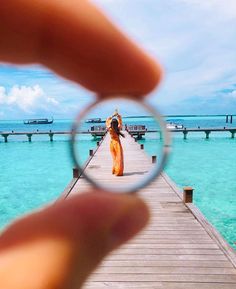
(74, 39)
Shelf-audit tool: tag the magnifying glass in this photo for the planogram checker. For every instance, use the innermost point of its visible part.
(128, 143)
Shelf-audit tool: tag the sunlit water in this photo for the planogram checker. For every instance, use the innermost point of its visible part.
(32, 174)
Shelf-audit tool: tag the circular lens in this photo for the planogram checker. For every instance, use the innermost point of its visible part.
(119, 144)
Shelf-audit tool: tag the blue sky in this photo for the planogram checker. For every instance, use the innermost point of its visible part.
(194, 40)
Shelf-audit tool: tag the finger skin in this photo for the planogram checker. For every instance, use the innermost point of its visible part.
(74, 38)
(61, 245)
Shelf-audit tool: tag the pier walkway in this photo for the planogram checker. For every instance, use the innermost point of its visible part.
(138, 131)
(179, 249)
(100, 165)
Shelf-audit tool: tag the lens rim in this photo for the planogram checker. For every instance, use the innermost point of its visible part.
(156, 170)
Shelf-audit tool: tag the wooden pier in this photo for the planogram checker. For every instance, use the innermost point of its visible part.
(51, 134)
(179, 249)
(140, 131)
(137, 131)
(207, 131)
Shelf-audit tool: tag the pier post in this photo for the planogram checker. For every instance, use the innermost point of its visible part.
(227, 118)
(142, 146)
(139, 136)
(188, 195)
(75, 173)
(231, 119)
(154, 159)
(51, 136)
(29, 135)
(90, 152)
(207, 132)
(185, 132)
(5, 136)
(232, 133)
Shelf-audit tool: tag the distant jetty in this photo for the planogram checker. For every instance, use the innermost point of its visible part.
(137, 131)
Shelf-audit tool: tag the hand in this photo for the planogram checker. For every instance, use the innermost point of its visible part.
(59, 246)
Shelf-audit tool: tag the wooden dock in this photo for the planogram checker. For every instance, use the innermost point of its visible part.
(137, 131)
(140, 131)
(51, 134)
(179, 249)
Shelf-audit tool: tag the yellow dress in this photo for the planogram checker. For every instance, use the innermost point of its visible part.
(116, 147)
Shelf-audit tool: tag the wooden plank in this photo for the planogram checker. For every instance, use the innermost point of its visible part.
(169, 263)
(167, 257)
(167, 251)
(208, 278)
(176, 227)
(166, 245)
(161, 236)
(157, 285)
(164, 270)
(151, 241)
(185, 233)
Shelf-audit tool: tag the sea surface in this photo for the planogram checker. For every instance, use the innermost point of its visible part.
(33, 174)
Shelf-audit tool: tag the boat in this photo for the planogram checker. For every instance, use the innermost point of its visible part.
(172, 125)
(95, 120)
(38, 121)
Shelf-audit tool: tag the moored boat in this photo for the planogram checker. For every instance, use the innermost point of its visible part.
(172, 125)
(95, 120)
(38, 121)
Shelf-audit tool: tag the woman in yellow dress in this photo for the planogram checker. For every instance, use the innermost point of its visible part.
(114, 125)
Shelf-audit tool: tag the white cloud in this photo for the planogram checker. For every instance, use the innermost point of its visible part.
(26, 98)
(231, 95)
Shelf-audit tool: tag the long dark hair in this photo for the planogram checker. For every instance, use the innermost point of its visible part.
(114, 125)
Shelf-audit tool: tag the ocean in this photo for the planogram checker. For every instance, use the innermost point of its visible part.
(33, 174)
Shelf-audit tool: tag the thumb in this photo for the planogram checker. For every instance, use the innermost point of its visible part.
(58, 247)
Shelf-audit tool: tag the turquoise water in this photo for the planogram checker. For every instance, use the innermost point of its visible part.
(32, 174)
(209, 166)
